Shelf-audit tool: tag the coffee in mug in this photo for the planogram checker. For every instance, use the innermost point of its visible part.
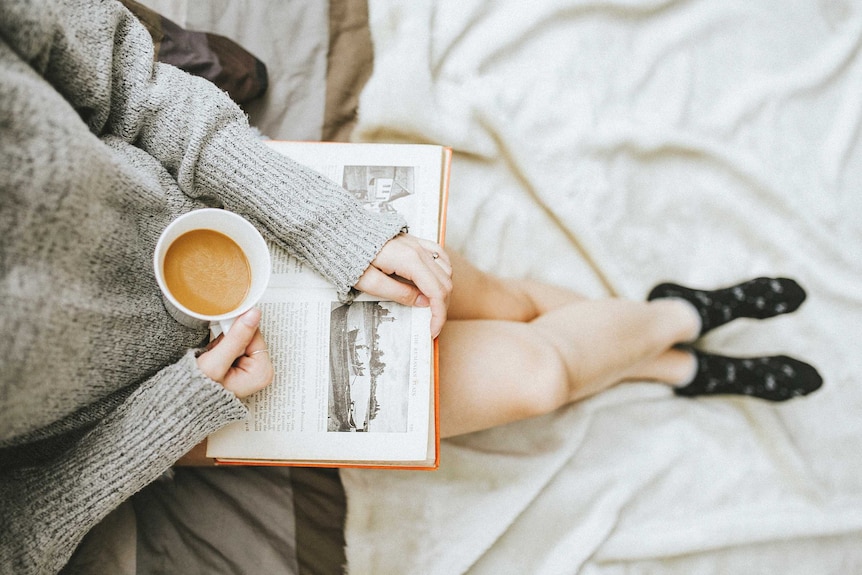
(207, 272)
(212, 266)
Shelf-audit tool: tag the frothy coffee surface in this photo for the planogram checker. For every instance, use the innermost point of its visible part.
(207, 272)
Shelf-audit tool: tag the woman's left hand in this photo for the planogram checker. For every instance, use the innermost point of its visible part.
(238, 359)
(424, 264)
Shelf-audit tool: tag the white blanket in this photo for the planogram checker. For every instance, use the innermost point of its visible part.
(606, 146)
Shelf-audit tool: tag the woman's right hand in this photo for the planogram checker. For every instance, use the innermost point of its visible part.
(231, 360)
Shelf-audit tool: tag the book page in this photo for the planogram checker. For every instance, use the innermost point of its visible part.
(352, 381)
(398, 177)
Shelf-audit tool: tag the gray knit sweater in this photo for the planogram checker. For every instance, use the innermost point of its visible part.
(100, 149)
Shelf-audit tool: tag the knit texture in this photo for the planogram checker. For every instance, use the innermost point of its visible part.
(100, 148)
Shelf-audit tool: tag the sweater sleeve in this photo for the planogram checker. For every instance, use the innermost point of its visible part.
(46, 510)
(100, 58)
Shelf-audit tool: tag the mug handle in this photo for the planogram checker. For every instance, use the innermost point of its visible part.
(220, 327)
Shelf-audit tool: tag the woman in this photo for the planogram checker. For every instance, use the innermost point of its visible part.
(100, 148)
(101, 390)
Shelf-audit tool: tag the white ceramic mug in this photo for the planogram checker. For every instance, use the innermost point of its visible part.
(246, 237)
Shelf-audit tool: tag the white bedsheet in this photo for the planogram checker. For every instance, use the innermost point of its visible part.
(606, 146)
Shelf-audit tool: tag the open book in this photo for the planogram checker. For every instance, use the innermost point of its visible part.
(355, 385)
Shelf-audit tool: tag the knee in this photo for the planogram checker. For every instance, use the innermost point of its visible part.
(547, 388)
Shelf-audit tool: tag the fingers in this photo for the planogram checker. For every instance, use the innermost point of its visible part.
(438, 254)
(443, 267)
(375, 282)
(252, 371)
(435, 284)
(412, 259)
(230, 361)
(216, 362)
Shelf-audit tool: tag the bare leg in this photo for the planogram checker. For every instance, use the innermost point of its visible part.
(498, 371)
(515, 348)
(479, 295)
(673, 367)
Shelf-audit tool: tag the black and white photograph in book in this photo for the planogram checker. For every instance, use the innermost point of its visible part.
(379, 188)
(369, 367)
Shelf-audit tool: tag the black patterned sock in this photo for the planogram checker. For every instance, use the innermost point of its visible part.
(759, 298)
(775, 378)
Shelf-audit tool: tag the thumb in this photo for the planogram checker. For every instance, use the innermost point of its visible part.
(216, 362)
(375, 282)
